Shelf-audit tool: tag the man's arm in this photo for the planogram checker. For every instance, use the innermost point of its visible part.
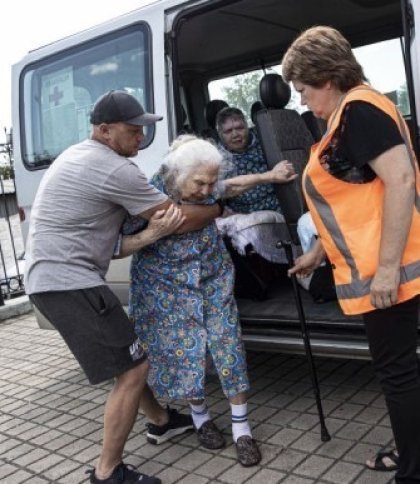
(165, 219)
(196, 217)
(161, 223)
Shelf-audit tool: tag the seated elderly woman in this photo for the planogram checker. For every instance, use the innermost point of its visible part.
(256, 270)
(242, 148)
(181, 297)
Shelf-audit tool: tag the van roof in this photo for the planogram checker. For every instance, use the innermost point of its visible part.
(241, 34)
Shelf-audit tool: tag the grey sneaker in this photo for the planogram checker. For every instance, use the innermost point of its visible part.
(210, 436)
(178, 424)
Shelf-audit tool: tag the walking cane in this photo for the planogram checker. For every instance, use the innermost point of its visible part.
(287, 245)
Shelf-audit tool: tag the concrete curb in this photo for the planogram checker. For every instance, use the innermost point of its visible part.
(15, 307)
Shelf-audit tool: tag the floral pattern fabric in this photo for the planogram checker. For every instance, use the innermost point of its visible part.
(181, 302)
(261, 197)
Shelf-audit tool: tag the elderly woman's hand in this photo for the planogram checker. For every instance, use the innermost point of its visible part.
(164, 222)
(283, 172)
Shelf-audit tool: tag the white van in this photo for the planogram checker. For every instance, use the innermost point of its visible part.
(175, 56)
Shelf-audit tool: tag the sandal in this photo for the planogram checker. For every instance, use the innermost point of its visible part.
(384, 461)
(210, 436)
(247, 451)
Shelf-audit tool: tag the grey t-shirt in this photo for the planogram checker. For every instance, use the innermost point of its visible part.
(77, 214)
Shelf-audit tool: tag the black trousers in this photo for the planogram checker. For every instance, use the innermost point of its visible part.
(392, 335)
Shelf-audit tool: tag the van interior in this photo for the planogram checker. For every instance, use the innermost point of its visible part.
(224, 38)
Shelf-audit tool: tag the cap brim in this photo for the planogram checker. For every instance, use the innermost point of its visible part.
(144, 119)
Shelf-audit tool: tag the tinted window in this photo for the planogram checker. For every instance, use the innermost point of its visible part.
(58, 92)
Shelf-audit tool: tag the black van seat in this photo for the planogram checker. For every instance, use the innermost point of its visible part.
(210, 113)
(284, 136)
(255, 107)
(316, 126)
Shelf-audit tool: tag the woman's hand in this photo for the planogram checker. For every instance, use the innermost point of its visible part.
(283, 172)
(163, 223)
(308, 262)
(384, 287)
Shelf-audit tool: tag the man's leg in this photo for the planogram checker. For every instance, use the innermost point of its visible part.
(164, 423)
(153, 410)
(120, 414)
(99, 334)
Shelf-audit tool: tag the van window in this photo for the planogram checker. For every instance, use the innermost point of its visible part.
(58, 93)
(387, 77)
(243, 89)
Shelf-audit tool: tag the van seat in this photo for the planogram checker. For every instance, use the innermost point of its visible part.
(284, 136)
(316, 126)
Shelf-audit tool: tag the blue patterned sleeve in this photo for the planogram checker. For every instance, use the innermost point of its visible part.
(157, 182)
(133, 224)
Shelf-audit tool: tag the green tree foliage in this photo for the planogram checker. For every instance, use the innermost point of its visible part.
(402, 100)
(243, 92)
(6, 172)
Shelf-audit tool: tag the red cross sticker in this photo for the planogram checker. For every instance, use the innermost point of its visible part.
(56, 96)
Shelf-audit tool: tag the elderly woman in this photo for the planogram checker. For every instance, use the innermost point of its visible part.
(242, 148)
(252, 210)
(362, 187)
(181, 297)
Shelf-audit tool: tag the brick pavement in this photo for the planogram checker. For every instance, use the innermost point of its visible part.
(51, 420)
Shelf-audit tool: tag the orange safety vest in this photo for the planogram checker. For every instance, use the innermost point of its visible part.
(348, 217)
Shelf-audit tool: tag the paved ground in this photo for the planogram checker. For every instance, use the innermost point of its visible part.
(50, 420)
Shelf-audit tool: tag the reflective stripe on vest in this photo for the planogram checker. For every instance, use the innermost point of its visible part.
(357, 287)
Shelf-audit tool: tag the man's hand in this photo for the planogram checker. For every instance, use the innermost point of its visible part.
(283, 172)
(384, 287)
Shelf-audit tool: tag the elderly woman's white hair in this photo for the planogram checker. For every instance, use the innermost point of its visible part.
(186, 155)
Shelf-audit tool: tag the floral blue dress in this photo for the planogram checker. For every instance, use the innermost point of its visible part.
(181, 301)
(260, 197)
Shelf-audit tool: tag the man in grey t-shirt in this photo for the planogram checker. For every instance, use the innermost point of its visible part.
(77, 213)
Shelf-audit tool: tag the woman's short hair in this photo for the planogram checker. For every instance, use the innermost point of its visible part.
(321, 54)
(229, 113)
(186, 154)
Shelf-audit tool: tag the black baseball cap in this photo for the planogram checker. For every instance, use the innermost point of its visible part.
(121, 107)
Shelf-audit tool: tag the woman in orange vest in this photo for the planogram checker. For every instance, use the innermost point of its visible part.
(362, 187)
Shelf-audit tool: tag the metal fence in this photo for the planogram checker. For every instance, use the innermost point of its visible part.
(11, 243)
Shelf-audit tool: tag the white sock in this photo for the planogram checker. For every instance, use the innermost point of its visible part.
(200, 414)
(240, 425)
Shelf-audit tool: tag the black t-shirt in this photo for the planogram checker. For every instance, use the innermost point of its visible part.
(364, 133)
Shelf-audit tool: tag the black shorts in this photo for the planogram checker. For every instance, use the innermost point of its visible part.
(96, 329)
